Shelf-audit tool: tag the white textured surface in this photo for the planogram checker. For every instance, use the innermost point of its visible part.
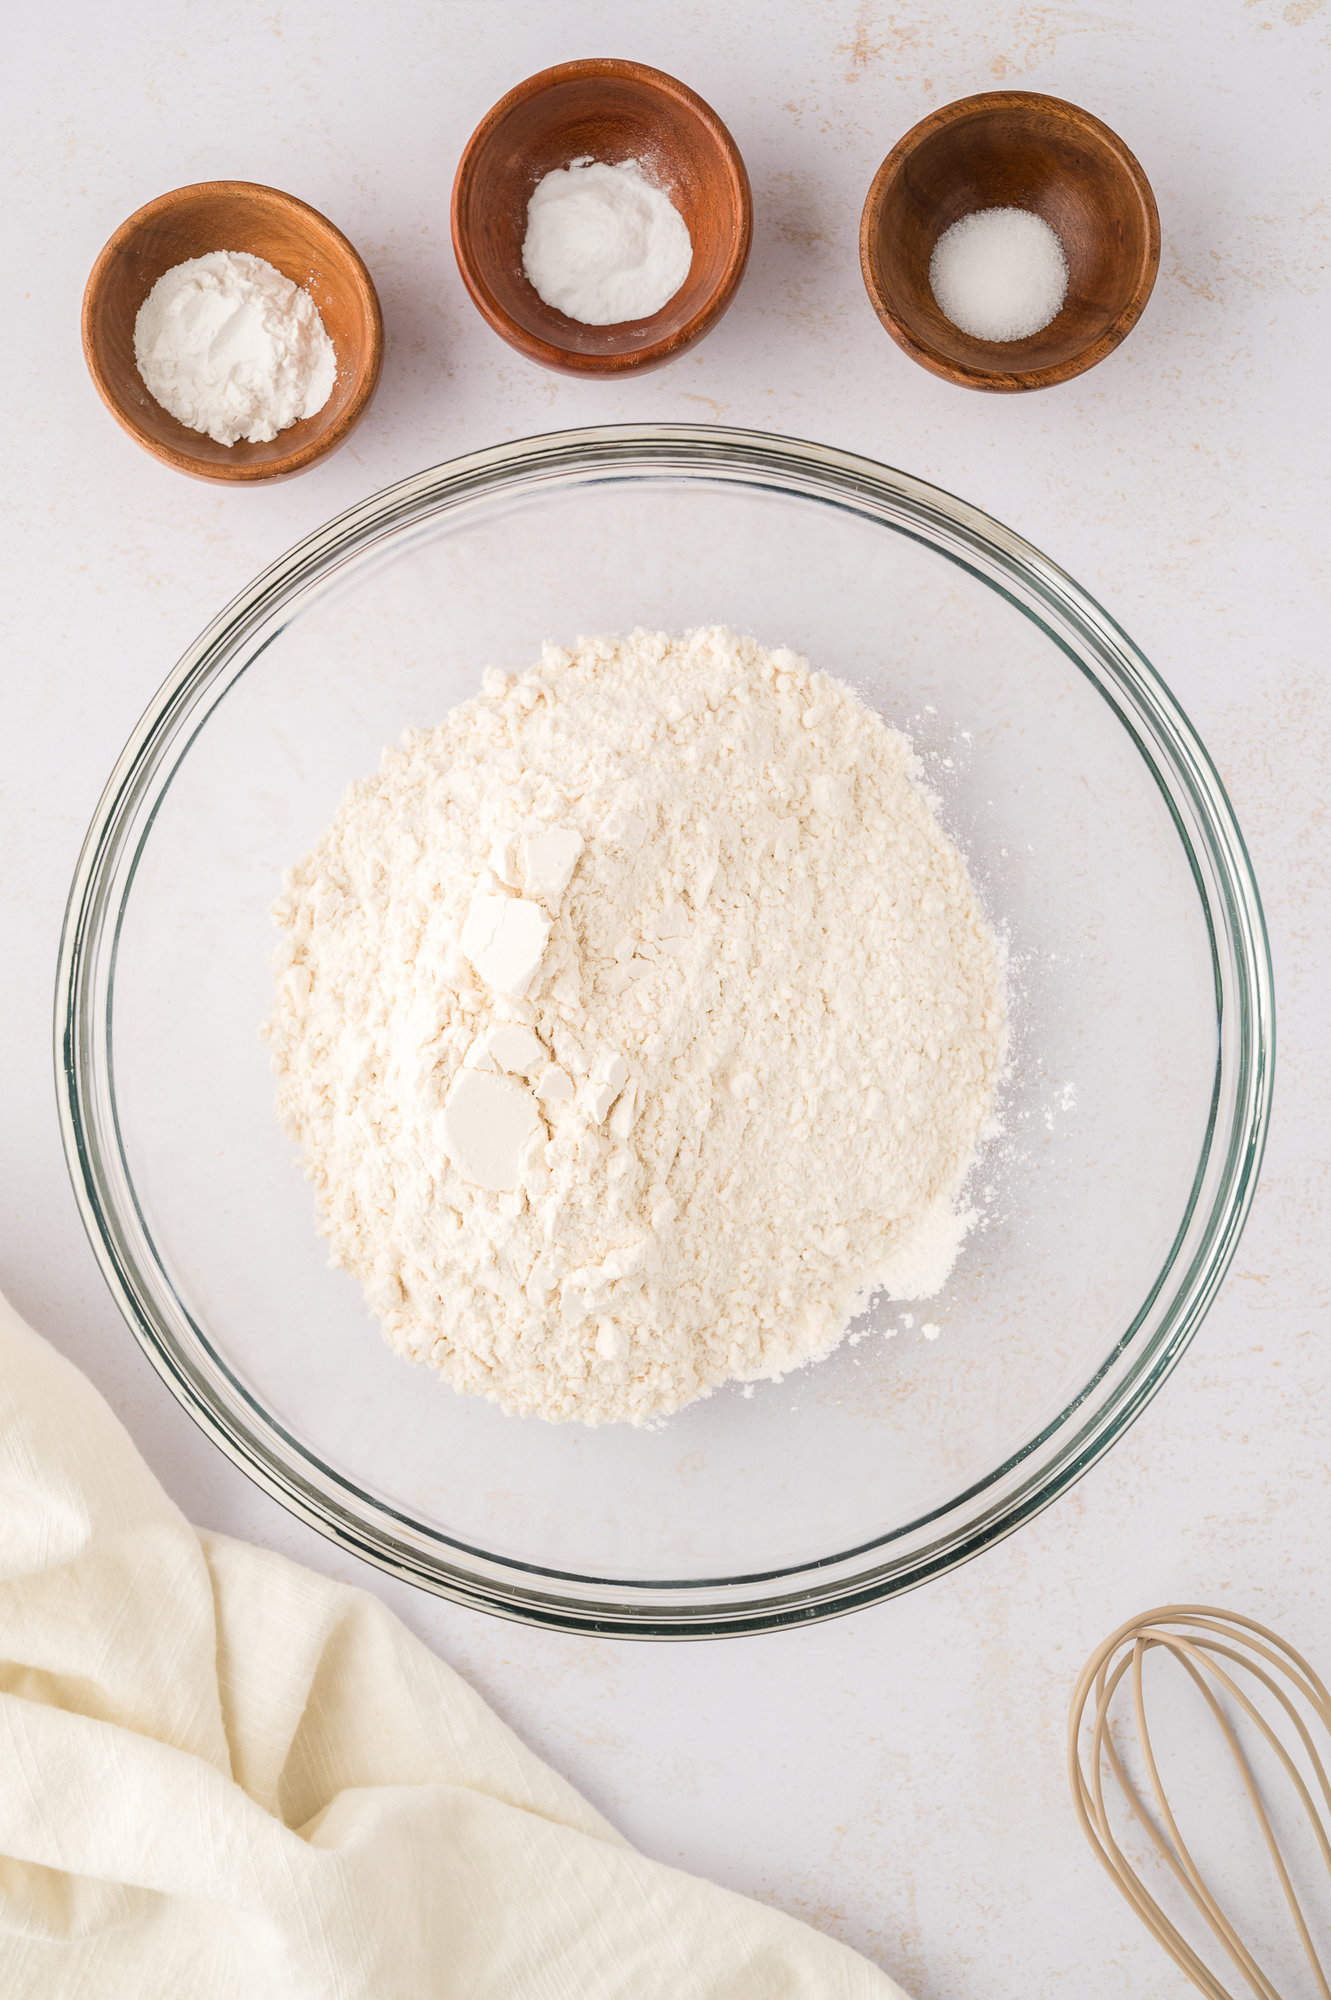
(898, 1776)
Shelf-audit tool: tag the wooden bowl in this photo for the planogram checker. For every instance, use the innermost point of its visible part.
(305, 247)
(612, 111)
(1012, 149)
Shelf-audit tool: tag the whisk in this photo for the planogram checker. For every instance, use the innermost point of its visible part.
(1228, 1658)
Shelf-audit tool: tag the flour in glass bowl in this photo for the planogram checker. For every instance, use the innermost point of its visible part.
(636, 1025)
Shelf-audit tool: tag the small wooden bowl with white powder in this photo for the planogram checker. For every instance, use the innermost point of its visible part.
(182, 277)
(1009, 241)
(601, 217)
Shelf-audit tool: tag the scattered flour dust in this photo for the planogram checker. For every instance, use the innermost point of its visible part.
(637, 1024)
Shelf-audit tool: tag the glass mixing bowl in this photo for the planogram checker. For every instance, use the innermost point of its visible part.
(1134, 1115)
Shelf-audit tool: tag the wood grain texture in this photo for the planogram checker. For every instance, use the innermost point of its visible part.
(1012, 149)
(305, 247)
(607, 110)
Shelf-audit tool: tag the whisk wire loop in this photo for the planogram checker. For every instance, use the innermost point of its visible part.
(1213, 1647)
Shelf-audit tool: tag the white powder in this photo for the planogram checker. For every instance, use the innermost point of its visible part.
(740, 1089)
(999, 274)
(604, 245)
(231, 347)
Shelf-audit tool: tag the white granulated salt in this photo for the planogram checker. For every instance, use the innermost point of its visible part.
(232, 348)
(636, 1024)
(604, 244)
(999, 274)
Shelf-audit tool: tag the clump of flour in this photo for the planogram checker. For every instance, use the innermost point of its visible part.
(637, 1024)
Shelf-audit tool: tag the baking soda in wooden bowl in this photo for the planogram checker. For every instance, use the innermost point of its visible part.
(604, 244)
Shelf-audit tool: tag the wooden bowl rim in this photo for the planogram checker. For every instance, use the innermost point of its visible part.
(533, 345)
(968, 375)
(242, 472)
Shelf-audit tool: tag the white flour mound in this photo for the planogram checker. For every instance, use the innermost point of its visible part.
(636, 1025)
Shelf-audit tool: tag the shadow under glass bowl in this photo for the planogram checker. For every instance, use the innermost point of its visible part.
(1134, 1117)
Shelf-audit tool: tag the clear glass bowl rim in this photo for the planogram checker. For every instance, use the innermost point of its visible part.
(1045, 1465)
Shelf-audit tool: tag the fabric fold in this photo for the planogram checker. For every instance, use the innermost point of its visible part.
(221, 1774)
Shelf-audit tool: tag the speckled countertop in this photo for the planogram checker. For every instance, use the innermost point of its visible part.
(896, 1777)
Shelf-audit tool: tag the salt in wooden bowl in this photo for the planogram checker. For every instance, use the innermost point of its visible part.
(1012, 149)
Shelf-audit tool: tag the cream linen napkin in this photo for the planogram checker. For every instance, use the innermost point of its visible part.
(221, 1774)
